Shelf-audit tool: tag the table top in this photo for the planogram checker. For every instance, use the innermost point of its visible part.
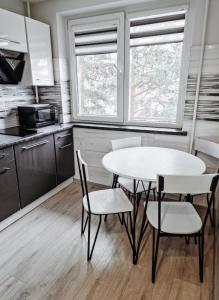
(145, 163)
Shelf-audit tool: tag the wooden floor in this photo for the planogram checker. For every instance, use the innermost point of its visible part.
(43, 256)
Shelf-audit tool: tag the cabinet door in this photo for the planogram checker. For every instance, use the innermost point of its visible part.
(36, 168)
(64, 155)
(12, 31)
(39, 45)
(9, 195)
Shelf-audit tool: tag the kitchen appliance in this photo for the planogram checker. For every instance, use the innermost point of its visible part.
(36, 115)
(11, 67)
(18, 131)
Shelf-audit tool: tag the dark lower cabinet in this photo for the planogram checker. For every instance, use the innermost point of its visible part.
(9, 195)
(64, 155)
(36, 168)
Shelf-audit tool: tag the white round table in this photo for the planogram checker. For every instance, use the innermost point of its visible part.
(145, 163)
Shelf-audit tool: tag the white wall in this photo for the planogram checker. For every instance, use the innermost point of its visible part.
(95, 143)
(16, 6)
(46, 12)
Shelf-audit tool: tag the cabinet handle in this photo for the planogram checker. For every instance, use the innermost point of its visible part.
(63, 136)
(4, 170)
(65, 146)
(2, 155)
(34, 145)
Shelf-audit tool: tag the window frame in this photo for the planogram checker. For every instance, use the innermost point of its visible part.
(183, 72)
(73, 26)
(123, 64)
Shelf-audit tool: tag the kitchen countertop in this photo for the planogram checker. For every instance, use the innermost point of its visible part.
(9, 140)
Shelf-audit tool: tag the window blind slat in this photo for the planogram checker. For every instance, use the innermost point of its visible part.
(96, 41)
(156, 33)
(93, 39)
(96, 49)
(157, 40)
(158, 19)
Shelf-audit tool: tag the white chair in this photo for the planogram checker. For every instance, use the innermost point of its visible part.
(99, 203)
(175, 218)
(211, 149)
(127, 183)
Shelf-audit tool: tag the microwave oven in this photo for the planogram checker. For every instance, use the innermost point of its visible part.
(36, 115)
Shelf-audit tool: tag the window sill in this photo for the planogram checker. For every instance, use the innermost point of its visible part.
(154, 130)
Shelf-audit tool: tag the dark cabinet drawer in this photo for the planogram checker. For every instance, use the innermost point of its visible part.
(36, 168)
(9, 195)
(64, 155)
(6, 155)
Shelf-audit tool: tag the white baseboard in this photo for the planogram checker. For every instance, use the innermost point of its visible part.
(19, 214)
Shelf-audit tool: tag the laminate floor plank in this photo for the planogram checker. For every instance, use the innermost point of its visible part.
(43, 257)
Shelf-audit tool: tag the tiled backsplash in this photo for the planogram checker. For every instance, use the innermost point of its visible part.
(58, 94)
(10, 97)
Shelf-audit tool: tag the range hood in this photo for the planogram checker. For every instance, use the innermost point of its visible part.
(11, 67)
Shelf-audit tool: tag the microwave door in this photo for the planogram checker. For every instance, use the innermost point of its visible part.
(43, 115)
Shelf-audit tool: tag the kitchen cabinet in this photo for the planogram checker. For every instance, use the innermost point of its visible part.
(12, 31)
(64, 155)
(40, 54)
(36, 168)
(9, 194)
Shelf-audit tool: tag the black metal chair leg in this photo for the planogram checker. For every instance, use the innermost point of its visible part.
(154, 254)
(105, 218)
(82, 220)
(211, 212)
(154, 194)
(84, 227)
(88, 237)
(201, 256)
(89, 253)
(120, 219)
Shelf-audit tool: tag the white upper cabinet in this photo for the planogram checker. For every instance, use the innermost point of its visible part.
(40, 53)
(12, 31)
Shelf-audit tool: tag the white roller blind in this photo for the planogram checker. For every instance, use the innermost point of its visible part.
(157, 29)
(96, 41)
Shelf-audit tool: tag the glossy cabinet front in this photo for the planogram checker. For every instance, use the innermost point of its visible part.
(9, 195)
(36, 168)
(40, 53)
(12, 31)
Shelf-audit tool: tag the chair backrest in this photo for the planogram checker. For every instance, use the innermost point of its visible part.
(177, 184)
(185, 184)
(126, 143)
(207, 147)
(83, 173)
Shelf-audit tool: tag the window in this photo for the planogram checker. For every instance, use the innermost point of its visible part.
(145, 53)
(155, 54)
(97, 48)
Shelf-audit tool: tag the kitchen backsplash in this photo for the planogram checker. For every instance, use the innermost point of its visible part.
(12, 96)
(60, 95)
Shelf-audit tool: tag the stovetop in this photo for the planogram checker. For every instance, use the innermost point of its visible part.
(18, 131)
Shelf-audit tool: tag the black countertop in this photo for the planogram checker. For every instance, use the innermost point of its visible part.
(9, 140)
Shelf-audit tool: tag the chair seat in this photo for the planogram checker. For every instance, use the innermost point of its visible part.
(128, 185)
(109, 201)
(176, 217)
